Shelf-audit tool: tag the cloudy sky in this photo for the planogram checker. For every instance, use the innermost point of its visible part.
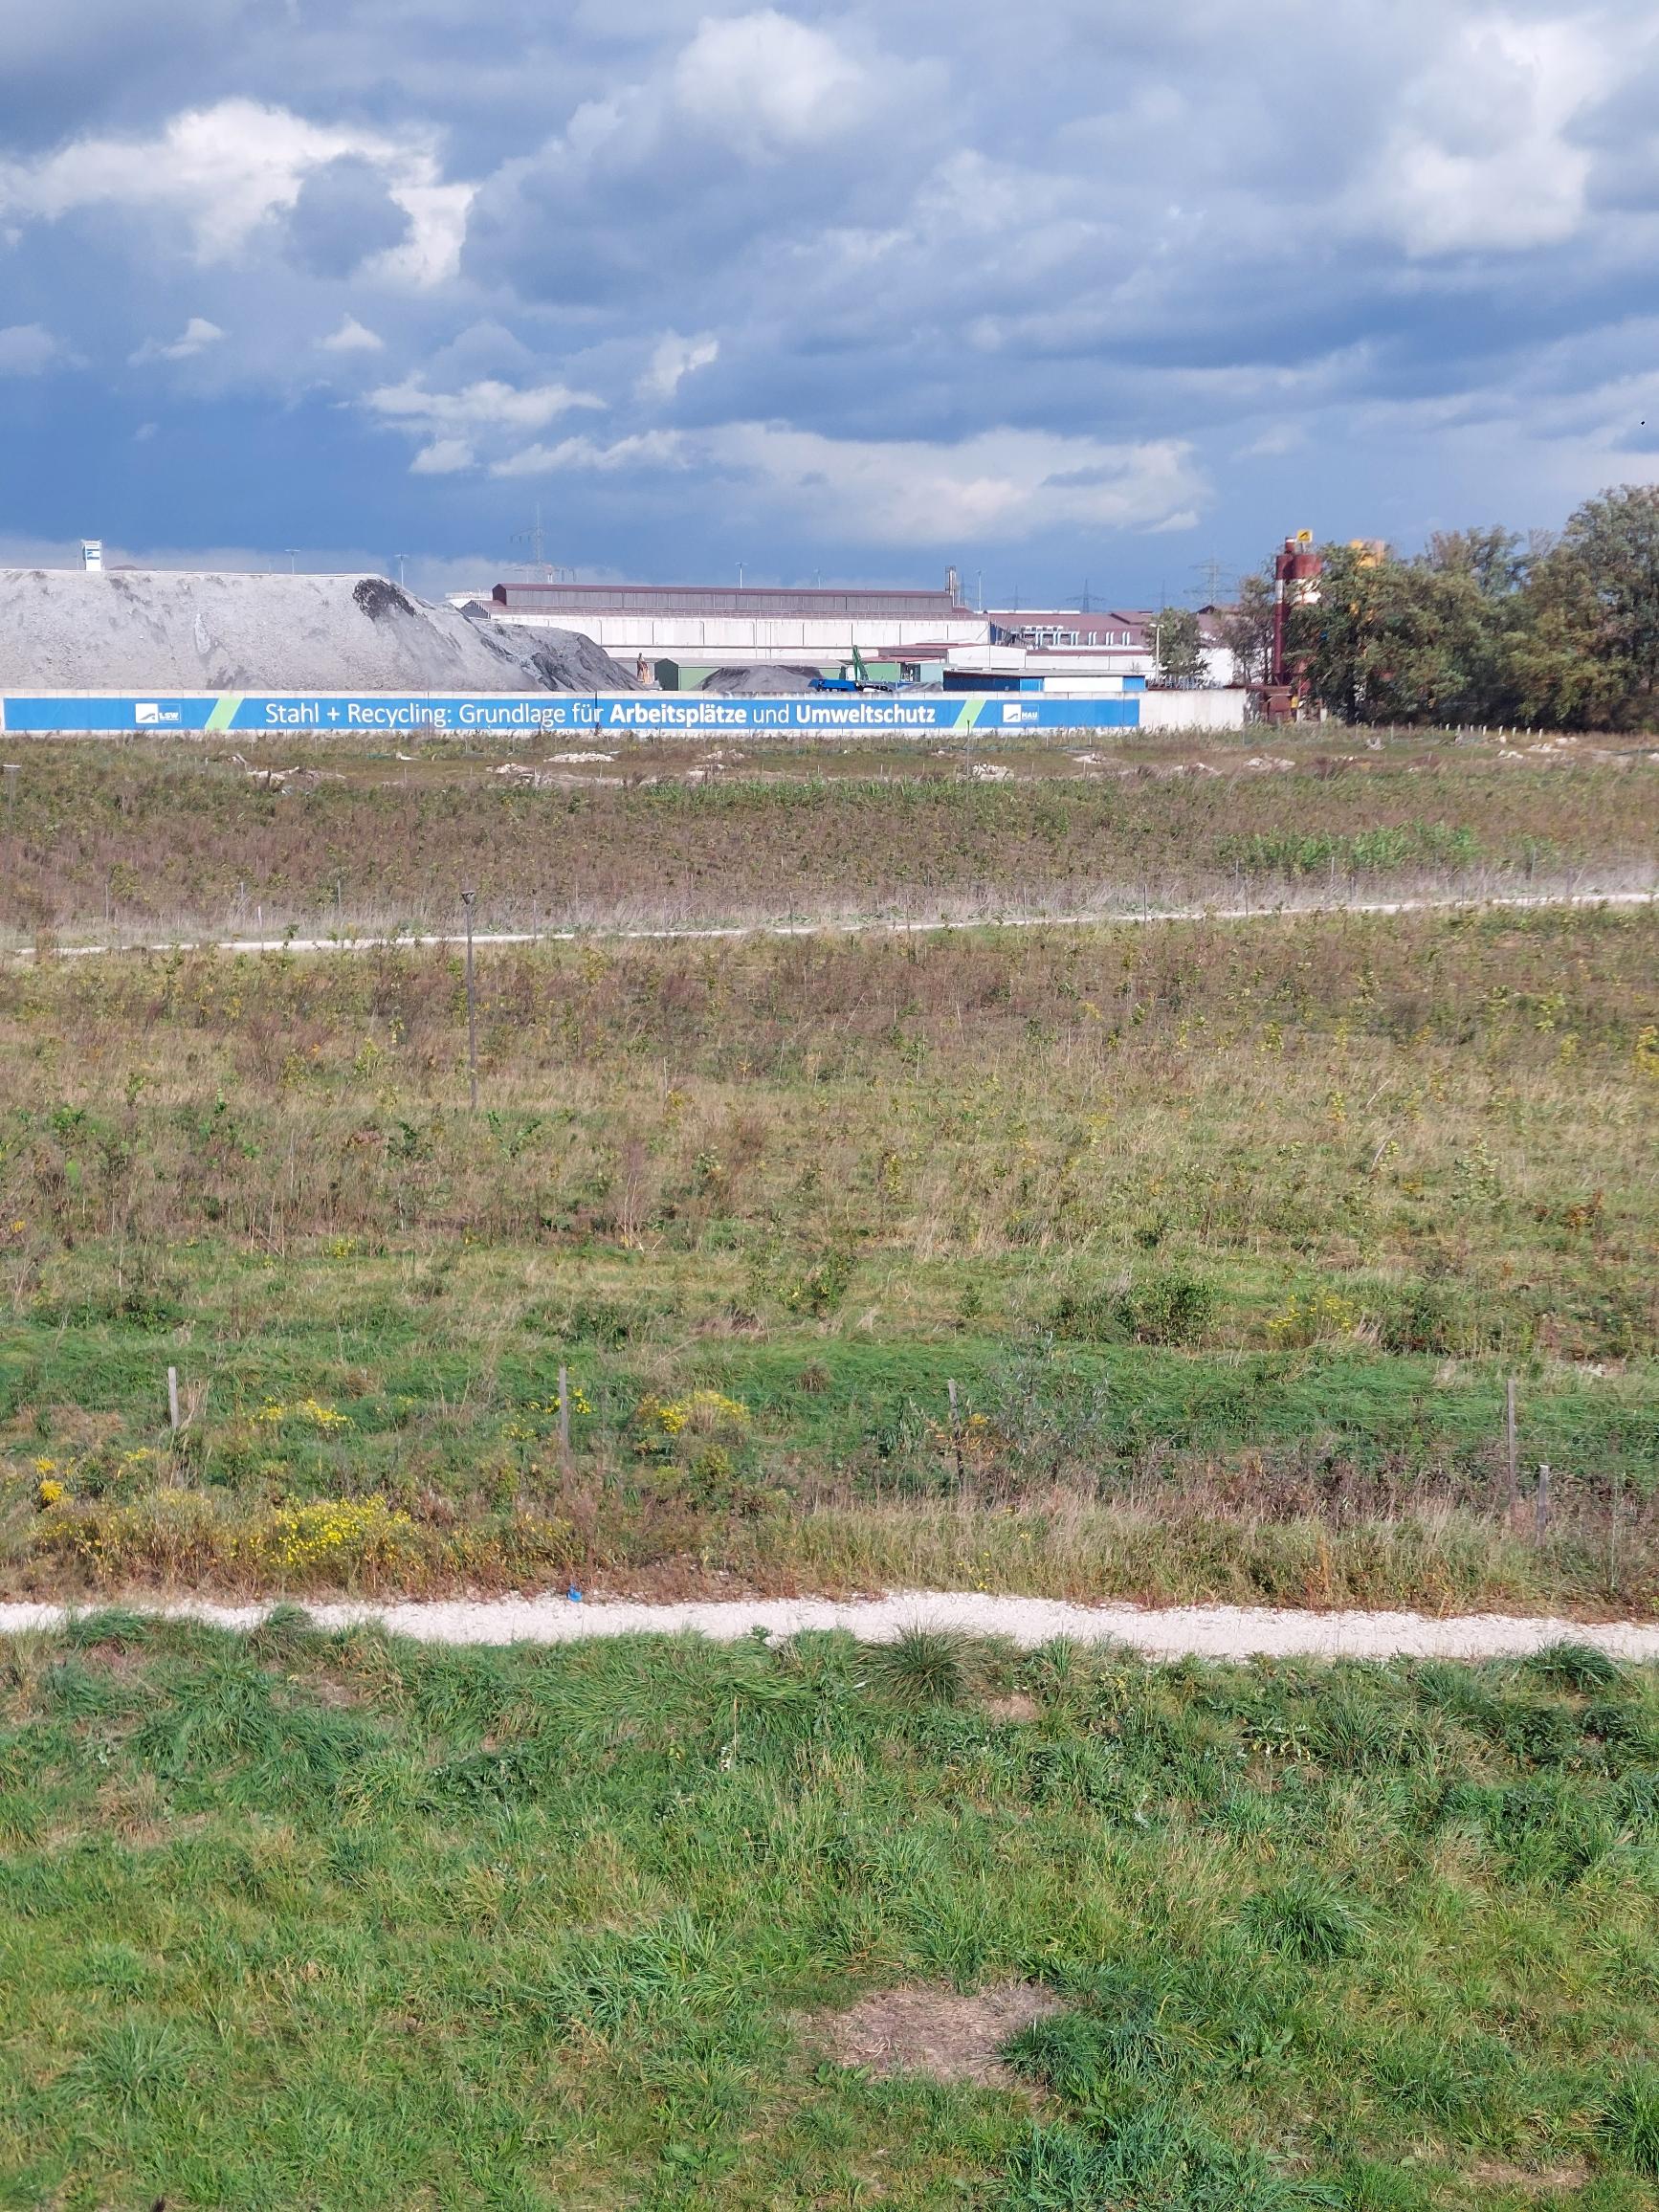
(1075, 290)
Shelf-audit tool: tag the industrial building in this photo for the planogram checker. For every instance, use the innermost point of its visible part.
(699, 628)
(680, 634)
(1083, 652)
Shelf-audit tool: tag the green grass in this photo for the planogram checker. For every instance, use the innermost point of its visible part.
(344, 1922)
(1241, 1231)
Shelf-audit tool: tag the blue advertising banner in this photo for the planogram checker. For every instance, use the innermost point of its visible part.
(602, 714)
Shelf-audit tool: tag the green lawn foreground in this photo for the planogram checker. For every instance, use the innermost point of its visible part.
(298, 1920)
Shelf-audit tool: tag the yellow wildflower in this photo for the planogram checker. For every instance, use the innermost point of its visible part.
(320, 1416)
(329, 1532)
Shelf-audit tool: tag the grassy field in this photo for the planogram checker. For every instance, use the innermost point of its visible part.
(106, 839)
(345, 1923)
(1228, 1237)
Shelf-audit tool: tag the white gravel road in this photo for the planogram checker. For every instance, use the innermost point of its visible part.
(1203, 1631)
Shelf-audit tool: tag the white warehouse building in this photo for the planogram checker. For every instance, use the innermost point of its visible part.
(714, 627)
(683, 632)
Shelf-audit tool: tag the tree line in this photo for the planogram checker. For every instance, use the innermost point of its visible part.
(1556, 630)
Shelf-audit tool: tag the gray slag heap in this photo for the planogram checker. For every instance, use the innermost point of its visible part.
(173, 630)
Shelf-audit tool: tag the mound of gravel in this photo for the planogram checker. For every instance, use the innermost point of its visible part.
(765, 680)
(566, 660)
(172, 629)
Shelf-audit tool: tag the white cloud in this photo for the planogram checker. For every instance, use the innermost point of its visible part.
(351, 338)
(1001, 484)
(443, 458)
(454, 423)
(765, 78)
(197, 335)
(646, 449)
(970, 193)
(674, 358)
(487, 405)
(223, 169)
(1005, 484)
(1482, 159)
(432, 252)
(1273, 443)
(27, 349)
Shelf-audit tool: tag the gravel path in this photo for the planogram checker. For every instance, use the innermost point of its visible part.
(1203, 1631)
(862, 925)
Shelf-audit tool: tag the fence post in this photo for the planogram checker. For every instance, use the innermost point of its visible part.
(466, 898)
(565, 1412)
(956, 1433)
(1541, 1505)
(1615, 1499)
(173, 1399)
(1510, 1442)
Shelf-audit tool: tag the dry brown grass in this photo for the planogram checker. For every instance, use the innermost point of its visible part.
(1227, 1238)
(927, 2028)
(108, 838)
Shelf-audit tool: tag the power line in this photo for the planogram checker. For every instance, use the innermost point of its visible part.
(1217, 578)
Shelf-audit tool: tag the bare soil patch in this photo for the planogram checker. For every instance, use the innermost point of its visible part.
(1015, 1706)
(1544, 2181)
(928, 2028)
(107, 1656)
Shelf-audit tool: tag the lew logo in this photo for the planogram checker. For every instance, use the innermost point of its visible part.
(148, 712)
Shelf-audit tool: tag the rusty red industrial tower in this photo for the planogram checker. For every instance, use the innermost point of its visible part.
(1297, 572)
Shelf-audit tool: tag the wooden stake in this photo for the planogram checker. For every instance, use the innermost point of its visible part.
(1509, 1441)
(466, 898)
(1618, 1492)
(565, 1412)
(173, 1399)
(1542, 1504)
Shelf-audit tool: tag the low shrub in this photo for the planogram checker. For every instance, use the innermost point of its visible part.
(1171, 1307)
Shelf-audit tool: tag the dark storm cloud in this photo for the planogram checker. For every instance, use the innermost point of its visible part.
(99, 60)
(343, 214)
